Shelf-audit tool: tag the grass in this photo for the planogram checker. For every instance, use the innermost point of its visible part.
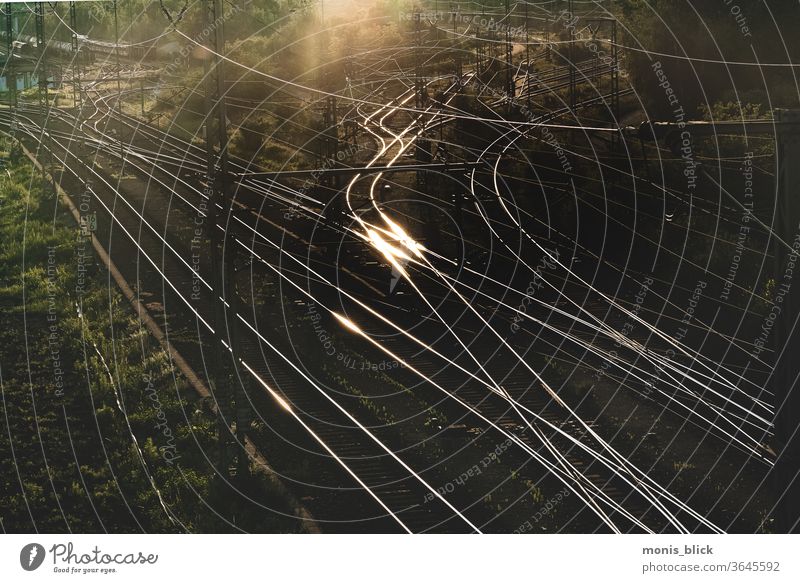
(99, 433)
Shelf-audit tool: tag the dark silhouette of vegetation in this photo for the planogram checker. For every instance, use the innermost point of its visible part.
(765, 32)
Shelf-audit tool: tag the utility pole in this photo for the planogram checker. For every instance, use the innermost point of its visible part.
(130, 25)
(330, 124)
(419, 86)
(119, 91)
(454, 12)
(41, 69)
(422, 147)
(222, 253)
(615, 137)
(77, 90)
(44, 97)
(11, 76)
(547, 54)
(478, 52)
(419, 91)
(573, 73)
(511, 88)
(328, 135)
(595, 26)
(527, 86)
(784, 382)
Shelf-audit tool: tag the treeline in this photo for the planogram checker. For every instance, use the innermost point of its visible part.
(140, 20)
(711, 31)
(98, 432)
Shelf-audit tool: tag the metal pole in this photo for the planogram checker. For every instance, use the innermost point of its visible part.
(421, 143)
(456, 60)
(615, 138)
(547, 37)
(478, 47)
(510, 83)
(527, 86)
(77, 90)
(223, 268)
(418, 61)
(11, 76)
(572, 70)
(44, 97)
(119, 91)
(41, 69)
(786, 340)
(218, 379)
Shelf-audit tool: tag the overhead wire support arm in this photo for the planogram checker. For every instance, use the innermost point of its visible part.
(174, 20)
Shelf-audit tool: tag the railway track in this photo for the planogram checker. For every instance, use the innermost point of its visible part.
(399, 493)
(357, 465)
